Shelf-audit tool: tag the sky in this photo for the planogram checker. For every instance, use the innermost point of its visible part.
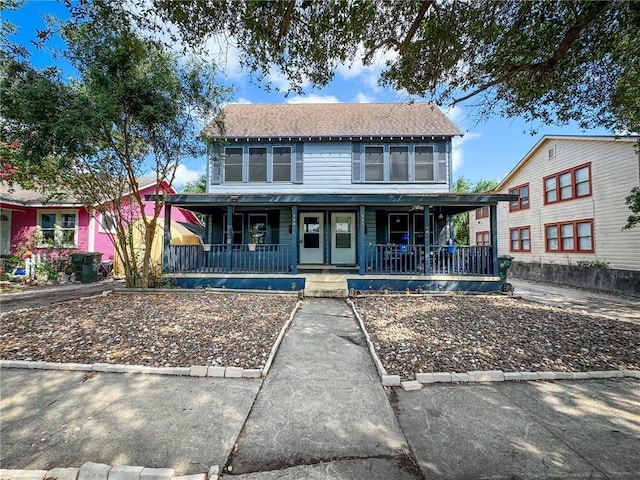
(488, 150)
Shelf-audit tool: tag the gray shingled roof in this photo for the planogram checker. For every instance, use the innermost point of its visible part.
(333, 120)
(16, 195)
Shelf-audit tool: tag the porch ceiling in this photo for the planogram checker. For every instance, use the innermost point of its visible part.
(447, 203)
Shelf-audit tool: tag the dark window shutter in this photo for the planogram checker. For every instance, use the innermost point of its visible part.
(273, 220)
(356, 166)
(381, 227)
(298, 176)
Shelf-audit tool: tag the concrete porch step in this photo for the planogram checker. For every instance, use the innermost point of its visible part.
(326, 287)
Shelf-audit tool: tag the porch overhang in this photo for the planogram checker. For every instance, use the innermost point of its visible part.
(448, 203)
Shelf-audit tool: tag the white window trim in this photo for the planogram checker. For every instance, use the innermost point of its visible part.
(58, 213)
(101, 228)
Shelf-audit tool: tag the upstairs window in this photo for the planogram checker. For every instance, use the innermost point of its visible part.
(522, 202)
(482, 212)
(281, 164)
(374, 164)
(258, 164)
(233, 160)
(399, 164)
(423, 158)
(568, 185)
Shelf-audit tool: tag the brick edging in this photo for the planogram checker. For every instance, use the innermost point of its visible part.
(101, 471)
(480, 375)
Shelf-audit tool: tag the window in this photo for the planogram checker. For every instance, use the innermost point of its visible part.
(567, 185)
(281, 164)
(258, 164)
(373, 164)
(483, 239)
(233, 164)
(257, 228)
(58, 228)
(107, 223)
(482, 212)
(523, 198)
(399, 228)
(570, 236)
(399, 164)
(520, 239)
(423, 158)
(238, 220)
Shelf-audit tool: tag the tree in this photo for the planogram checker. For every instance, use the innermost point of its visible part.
(633, 202)
(133, 110)
(547, 61)
(461, 221)
(199, 185)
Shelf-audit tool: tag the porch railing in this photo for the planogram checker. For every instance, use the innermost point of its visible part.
(215, 258)
(411, 259)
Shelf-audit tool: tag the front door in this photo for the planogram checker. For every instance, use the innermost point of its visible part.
(5, 232)
(311, 238)
(343, 238)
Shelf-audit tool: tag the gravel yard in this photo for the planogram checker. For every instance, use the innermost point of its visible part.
(466, 333)
(176, 330)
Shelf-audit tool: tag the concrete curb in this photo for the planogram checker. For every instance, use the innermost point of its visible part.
(480, 376)
(191, 291)
(193, 371)
(101, 471)
(276, 345)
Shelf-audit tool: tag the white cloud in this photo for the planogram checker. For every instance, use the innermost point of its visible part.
(184, 175)
(457, 153)
(243, 101)
(368, 75)
(313, 98)
(455, 114)
(362, 98)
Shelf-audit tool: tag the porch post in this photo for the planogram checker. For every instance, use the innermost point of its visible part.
(166, 238)
(493, 219)
(362, 241)
(294, 239)
(427, 239)
(229, 239)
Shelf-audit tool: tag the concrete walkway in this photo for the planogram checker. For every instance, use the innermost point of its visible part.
(323, 405)
(611, 306)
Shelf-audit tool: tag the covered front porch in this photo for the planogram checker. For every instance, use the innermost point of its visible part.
(391, 242)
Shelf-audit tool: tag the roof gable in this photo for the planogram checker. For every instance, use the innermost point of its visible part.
(549, 138)
(323, 120)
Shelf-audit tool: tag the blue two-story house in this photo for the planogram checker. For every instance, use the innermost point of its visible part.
(358, 194)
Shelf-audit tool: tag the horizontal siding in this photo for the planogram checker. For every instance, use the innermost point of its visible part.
(614, 172)
(327, 169)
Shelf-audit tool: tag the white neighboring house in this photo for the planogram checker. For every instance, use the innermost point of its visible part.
(571, 203)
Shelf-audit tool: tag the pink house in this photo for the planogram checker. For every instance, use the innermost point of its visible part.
(72, 225)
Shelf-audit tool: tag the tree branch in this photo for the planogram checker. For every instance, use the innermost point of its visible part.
(286, 20)
(592, 12)
(415, 26)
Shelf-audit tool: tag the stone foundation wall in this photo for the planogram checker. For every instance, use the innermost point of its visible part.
(625, 282)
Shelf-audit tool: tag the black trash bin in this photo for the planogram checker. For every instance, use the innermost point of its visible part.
(85, 265)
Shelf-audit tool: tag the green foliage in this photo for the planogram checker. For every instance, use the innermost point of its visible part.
(135, 109)
(592, 264)
(546, 61)
(198, 185)
(461, 221)
(633, 202)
